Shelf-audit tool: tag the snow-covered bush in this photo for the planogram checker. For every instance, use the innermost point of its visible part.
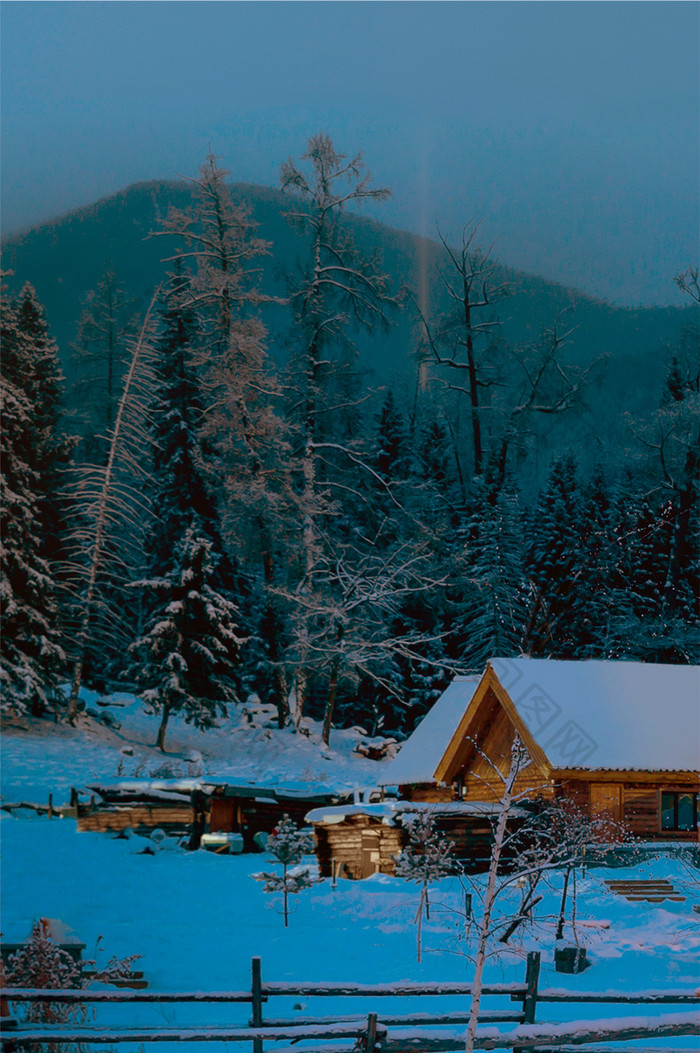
(43, 964)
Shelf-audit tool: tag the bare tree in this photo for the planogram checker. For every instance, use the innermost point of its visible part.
(463, 341)
(110, 509)
(338, 287)
(558, 836)
(241, 421)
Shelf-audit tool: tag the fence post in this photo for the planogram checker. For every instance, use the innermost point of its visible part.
(371, 1033)
(256, 999)
(532, 976)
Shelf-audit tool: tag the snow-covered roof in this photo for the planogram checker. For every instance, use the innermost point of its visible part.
(625, 716)
(387, 811)
(420, 754)
(608, 715)
(173, 788)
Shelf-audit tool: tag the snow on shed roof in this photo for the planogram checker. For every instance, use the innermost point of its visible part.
(608, 715)
(420, 754)
(390, 810)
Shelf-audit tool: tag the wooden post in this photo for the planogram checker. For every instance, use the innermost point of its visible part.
(334, 872)
(256, 999)
(51, 811)
(532, 976)
(371, 1033)
(467, 906)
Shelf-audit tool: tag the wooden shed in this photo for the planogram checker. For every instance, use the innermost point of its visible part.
(357, 841)
(616, 737)
(192, 807)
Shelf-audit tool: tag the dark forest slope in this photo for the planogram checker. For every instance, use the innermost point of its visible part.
(66, 258)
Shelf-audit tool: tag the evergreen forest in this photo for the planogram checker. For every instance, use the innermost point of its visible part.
(255, 442)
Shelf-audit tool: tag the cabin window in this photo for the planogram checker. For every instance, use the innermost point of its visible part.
(679, 811)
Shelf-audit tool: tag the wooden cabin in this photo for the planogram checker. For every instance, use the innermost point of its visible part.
(357, 841)
(616, 737)
(192, 807)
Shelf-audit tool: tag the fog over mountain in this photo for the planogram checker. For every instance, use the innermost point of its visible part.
(570, 129)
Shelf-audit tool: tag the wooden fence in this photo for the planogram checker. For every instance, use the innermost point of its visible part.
(396, 1033)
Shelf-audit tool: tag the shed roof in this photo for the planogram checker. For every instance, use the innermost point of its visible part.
(389, 811)
(588, 715)
(420, 754)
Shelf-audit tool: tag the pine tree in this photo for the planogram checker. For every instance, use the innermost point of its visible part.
(591, 601)
(497, 599)
(244, 436)
(552, 562)
(187, 660)
(31, 656)
(287, 845)
(99, 360)
(391, 457)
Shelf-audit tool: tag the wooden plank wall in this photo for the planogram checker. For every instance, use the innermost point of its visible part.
(350, 843)
(172, 818)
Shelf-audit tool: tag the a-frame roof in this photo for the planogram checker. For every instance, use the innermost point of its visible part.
(420, 754)
(590, 716)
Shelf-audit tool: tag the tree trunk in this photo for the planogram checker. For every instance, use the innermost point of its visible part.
(490, 895)
(562, 907)
(332, 689)
(160, 741)
(473, 385)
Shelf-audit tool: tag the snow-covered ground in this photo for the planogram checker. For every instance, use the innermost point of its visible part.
(198, 918)
(40, 757)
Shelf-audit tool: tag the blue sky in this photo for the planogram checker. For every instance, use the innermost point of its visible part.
(571, 129)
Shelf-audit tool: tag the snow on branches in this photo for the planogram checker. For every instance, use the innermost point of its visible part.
(287, 845)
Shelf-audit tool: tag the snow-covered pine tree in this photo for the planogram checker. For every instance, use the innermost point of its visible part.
(551, 556)
(39, 375)
(287, 845)
(591, 605)
(189, 596)
(497, 593)
(240, 427)
(426, 858)
(187, 661)
(31, 657)
(391, 456)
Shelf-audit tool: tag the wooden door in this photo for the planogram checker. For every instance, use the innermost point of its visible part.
(370, 852)
(606, 797)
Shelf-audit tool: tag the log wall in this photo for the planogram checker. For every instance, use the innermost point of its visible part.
(172, 819)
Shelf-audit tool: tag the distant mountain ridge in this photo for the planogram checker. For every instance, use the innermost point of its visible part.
(66, 258)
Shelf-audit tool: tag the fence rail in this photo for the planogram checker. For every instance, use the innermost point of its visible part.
(414, 1032)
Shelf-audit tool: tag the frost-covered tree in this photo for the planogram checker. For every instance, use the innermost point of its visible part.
(110, 511)
(31, 657)
(187, 660)
(36, 368)
(243, 434)
(426, 858)
(42, 964)
(287, 845)
(338, 289)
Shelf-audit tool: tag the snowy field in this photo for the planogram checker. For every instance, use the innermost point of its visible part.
(197, 919)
